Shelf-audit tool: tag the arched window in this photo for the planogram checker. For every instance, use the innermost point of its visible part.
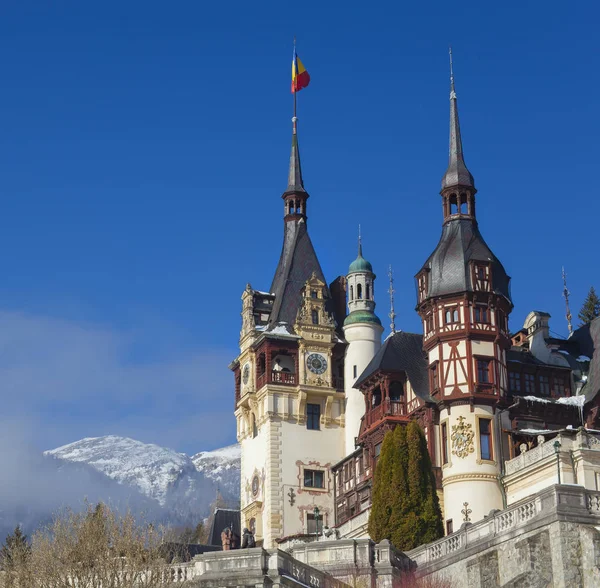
(376, 397)
(291, 207)
(463, 204)
(453, 204)
(368, 291)
(351, 292)
(315, 317)
(359, 291)
(396, 391)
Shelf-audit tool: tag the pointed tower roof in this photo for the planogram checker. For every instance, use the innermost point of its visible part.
(457, 173)
(298, 260)
(295, 182)
(360, 264)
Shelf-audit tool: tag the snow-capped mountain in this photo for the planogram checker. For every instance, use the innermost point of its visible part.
(184, 486)
(222, 466)
(151, 469)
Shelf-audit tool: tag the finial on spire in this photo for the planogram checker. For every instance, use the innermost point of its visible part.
(457, 173)
(391, 292)
(452, 92)
(359, 242)
(566, 294)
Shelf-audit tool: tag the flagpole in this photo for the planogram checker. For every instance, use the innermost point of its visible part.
(294, 120)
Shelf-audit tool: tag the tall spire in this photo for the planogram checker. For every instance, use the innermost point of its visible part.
(359, 243)
(295, 183)
(457, 173)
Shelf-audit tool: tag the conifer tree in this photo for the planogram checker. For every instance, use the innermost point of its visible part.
(405, 507)
(15, 550)
(423, 491)
(401, 518)
(590, 309)
(381, 508)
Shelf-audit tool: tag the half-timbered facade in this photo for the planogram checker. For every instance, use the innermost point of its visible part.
(316, 390)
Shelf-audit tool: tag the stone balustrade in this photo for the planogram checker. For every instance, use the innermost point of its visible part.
(355, 526)
(555, 501)
(578, 439)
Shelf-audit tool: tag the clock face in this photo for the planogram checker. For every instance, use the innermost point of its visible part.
(255, 485)
(316, 363)
(246, 374)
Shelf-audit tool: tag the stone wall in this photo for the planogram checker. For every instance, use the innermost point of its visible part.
(549, 540)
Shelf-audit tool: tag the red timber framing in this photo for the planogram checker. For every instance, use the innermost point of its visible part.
(385, 398)
(470, 316)
(276, 362)
(353, 476)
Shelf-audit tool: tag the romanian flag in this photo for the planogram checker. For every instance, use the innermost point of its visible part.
(300, 77)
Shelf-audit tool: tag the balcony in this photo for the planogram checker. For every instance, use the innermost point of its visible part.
(386, 408)
(276, 377)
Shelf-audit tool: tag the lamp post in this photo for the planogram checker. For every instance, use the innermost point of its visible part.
(556, 450)
(316, 513)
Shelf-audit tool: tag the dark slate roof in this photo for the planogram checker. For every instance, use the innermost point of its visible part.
(450, 272)
(296, 265)
(402, 352)
(295, 182)
(522, 355)
(224, 517)
(457, 173)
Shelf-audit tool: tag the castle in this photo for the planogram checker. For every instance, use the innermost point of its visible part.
(316, 388)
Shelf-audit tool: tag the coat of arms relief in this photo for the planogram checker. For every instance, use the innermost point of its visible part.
(462, 438)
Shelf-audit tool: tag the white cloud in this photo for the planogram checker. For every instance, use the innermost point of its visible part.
(72, 380)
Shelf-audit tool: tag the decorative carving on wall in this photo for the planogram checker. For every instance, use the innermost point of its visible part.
(292, 496)
(466, 511)
(462, 438)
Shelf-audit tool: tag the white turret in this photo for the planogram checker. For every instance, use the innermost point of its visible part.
(362, 330)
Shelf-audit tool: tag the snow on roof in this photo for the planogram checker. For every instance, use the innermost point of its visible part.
(572, 400)
(536, 399)
(569, 400)
(281, 329)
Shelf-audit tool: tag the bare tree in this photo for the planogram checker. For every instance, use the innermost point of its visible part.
(96, 548)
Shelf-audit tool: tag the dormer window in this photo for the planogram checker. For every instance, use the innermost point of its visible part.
(315, 317)
(422, 285)
(481, 277)
(313, 294)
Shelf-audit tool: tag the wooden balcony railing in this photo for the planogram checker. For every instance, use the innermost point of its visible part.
(274, 377)
(386, 408)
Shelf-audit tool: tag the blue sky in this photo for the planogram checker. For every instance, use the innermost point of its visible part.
(143, 153)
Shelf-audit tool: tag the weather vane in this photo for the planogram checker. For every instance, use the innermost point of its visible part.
(391, 291)
(566, 294)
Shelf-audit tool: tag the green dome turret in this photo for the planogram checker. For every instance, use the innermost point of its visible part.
(361, 316)
(360, 264)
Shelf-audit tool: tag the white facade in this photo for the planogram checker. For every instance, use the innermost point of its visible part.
(362, 331)
(468, 477)
(364, 341)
